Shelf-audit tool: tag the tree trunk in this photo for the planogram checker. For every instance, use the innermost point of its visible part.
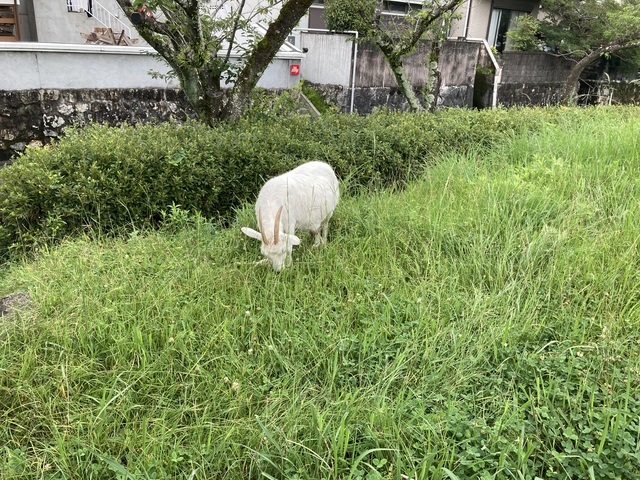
(394, 49)
(405, 85)
(391, 51)
(180, 41)
(435, 79)
(569, 94)
(262, 55)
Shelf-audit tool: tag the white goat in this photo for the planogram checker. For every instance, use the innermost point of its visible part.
(301, 199)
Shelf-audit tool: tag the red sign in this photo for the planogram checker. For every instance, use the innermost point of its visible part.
(295, 69)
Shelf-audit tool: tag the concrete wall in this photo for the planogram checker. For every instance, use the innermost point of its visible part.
(530, 78)
(328, 64)
(376, 85)
(329, 61)
(458, 61)
(373, 71)
(328, 58)
(40, 65)
(534, 67)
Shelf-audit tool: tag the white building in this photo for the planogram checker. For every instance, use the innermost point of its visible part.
(64, 21)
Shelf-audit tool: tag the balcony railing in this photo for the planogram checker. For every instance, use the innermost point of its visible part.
(107, 18)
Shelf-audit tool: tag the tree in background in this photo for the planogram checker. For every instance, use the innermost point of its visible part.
(399, 38)
(582, 30)
(198, 40)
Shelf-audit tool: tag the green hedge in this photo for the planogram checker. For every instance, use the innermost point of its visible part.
(113, 178)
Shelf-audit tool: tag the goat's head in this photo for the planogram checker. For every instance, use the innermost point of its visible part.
(277, 249)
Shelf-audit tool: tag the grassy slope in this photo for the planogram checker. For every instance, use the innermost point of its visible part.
(482, 322)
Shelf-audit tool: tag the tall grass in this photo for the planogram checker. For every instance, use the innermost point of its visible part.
(481, 323)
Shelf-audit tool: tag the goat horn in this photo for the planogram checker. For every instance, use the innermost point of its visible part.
(276, 227)
(264, 237)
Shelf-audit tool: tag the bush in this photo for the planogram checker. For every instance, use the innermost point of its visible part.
(114, 178)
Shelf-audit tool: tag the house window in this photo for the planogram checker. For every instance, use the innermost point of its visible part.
(502, 20)
(401, 8)
(390, 9)
(316, 15)
(8, 23)
(75, 5)
(394, 7)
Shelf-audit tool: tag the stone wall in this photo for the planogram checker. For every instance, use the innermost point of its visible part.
(531, 78)
(35, 117)
(458, 62)
(607, 92)
(365, 99)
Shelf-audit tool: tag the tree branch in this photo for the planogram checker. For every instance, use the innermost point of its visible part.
(234, 30)
(264, 52)
(425, 22)
(570, 87)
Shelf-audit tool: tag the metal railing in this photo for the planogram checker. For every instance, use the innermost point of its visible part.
(108, 19)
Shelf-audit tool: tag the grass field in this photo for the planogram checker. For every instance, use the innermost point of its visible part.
(484, 322)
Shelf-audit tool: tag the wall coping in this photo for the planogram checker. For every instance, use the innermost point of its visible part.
(41, 47)
(74, 48)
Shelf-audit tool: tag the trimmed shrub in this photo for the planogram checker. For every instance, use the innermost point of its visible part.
(112, 179)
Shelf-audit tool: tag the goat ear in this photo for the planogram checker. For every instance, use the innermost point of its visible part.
(294, 240)
(250, 232)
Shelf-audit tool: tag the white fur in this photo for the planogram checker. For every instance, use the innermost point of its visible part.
(308, 195)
